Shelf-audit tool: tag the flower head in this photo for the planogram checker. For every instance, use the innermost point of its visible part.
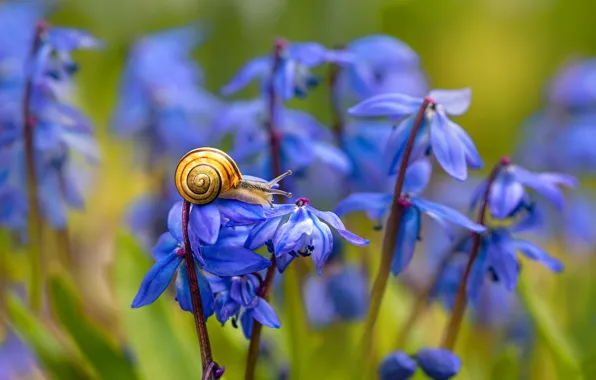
(297, 230)
(239, 298)
(450, 144)
(438, 363)
(292, 76)
(573, 86)
(397, 366)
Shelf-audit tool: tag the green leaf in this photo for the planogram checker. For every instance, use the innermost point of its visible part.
(151, 330)
(58, 361)
(108, 360)
(548, 328)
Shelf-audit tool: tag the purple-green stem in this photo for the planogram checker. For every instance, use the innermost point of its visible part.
(390, 236)
(195, 292)
(37, 280)
(459, 308)
(274, 146)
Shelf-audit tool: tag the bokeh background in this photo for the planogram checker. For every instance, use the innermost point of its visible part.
(505, 50)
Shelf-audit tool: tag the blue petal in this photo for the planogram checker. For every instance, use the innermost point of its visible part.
(246, 322)
(438, 363)
(545, 184)
(232, 261)
(240, 213)
(265, 314)
(442, 213)
(334, 221)
(477, 275)
(502, 258)
(157, 280)
(331, 155)
(407, 237)
(417, 176)
(205, 222)
(473, 158)
(322, 240)
(447, 147)
(349, 291)
(165, 245)
(283, 261)
(455, 102)
(375, 205)
(279, 210)
(175, 221)
(244, 291)
(184, 297)
(506, 193)
(397, 366)
(393, 105)
(291, 232)
(258, 67)
(219, 284)
(396, 145)
(261, 233)
(318, 302)
(534, 252)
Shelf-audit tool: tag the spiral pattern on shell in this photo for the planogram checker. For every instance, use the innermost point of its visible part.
(204, 173)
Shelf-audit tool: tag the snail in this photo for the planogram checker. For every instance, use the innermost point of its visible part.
(204, 174)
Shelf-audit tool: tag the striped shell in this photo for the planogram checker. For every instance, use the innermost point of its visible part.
(204, 173)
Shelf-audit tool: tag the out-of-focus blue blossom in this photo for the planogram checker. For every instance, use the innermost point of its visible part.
(60, 130)
(508, 193)
(397, 366)
(238, 298)
(301, 234)
(574, 87)
(341, 294)
(380, 64)
(161, 98)
(293, 76)
(450, 144)
(219, 251)
(438, 363)
(580, 223)
(16, 360)
(303, 139)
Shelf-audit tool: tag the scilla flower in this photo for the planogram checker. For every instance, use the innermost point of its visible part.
(297, 230)
(225, 256)
(397, 366)
(438, 363)
(238, 298)
(449, 143)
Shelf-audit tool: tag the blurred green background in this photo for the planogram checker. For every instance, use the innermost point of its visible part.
(505, 50)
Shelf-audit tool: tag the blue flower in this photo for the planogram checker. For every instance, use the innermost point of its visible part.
(397, 366)
(238, 298)
(300, 234)
(16, 359)
(438, 363)
(450, 144)
(219, 252)
(292, 77)
(508, 193)
(573, 87)
(580, 223)
(341, 294)
(161, 98)
(377, 205)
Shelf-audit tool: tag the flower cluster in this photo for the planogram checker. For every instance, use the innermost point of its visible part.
(436, 363)
(35, 84)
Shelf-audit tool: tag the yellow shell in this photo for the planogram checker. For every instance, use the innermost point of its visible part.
(204, 173)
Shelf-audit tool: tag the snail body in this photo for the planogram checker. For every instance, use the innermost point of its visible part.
(205, 174)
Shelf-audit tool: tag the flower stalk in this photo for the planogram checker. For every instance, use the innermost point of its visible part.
(197, 303)
(454, 325)
(274, 146)
(37, 280)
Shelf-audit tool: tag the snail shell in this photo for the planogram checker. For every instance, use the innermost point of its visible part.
(204, 173)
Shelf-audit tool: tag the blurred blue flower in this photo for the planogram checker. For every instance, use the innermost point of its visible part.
(574, 87)
(293, 76)
(397, 366)
(450, 144)
(161, 98)
(220, 252)
(16, 359)
(438, 363)
(580, 222)
(508, 193)
(238, 298)
(300, 234)
(303, 139)
(341, 294)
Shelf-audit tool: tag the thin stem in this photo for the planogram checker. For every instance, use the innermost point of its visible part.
(274, 145)
(195, 292)
(390, 236)
(423, 297)
(37, 260)
(453, 327)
